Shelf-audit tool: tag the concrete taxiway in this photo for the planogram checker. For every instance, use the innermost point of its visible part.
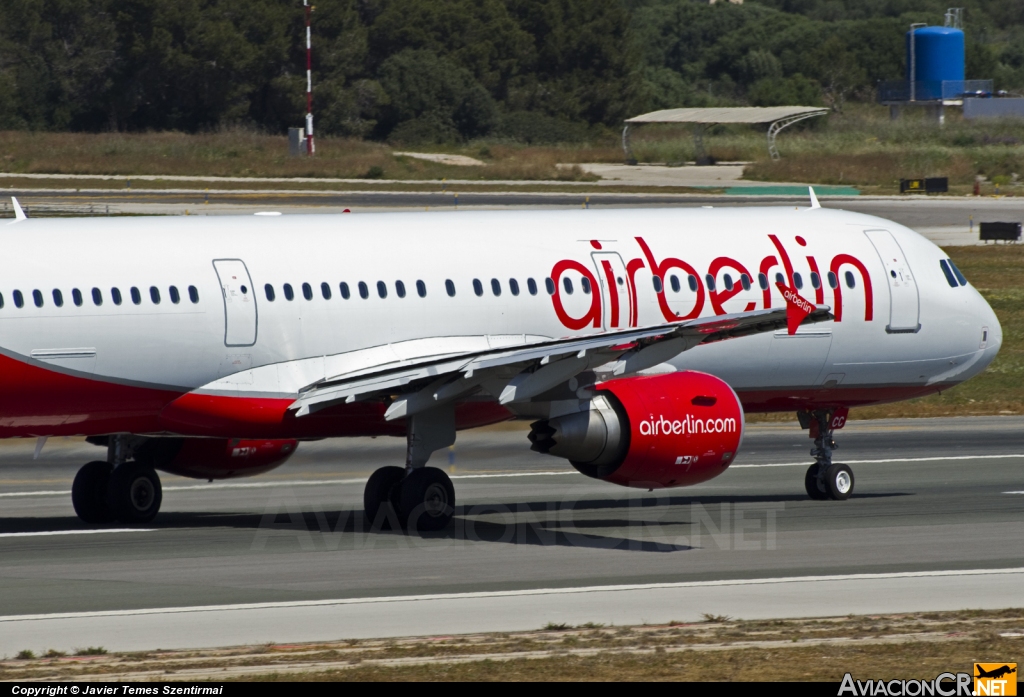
(936, 523)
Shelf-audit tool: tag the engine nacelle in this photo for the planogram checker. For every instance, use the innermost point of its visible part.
(650, 432)
(214, 458)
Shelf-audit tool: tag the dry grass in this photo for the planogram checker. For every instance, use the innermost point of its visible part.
(911, 646)
(248, 154)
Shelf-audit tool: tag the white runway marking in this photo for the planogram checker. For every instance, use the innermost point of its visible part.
(74, 532)
(807, 463)
(515, 593)
(1013, 492)
(362, 480)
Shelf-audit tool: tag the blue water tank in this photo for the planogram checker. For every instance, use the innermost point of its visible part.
(939, 58)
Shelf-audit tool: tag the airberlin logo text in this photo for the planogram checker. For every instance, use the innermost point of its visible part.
(792, 297)
(616, 288)
(661, 426)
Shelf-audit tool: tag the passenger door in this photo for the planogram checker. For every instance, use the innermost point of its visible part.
(904, 303)
(240, 319)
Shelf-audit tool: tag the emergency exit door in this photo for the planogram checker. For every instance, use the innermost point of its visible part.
(239, 302)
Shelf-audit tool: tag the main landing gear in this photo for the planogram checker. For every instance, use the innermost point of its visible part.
(825, 479)
(421, 498)
(118, 489)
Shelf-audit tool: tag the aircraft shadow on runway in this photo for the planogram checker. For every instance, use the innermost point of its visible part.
(669, 520)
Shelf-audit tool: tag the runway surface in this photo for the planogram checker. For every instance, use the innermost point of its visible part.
(937, 522)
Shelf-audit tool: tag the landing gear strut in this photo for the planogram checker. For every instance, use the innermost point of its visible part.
(422, 498)
(825, 479)
(118, 489)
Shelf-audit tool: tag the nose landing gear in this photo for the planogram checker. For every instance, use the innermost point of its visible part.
(824, 479)
(118, 489)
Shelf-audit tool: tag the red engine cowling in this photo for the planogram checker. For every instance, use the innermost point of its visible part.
(650, 432)
(214, 458)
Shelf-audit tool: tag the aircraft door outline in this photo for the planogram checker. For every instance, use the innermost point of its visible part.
(241, 320)
(904, 299)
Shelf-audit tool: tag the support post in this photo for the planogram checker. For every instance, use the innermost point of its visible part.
(626, 148)
(777, 126)
(310, 148)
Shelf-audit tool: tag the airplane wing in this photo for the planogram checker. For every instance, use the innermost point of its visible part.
(522, 372)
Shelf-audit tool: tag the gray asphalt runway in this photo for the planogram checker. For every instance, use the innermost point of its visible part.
(915, 212)
(932, 495)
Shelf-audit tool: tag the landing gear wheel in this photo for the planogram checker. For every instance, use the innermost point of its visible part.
(811, 483)
(426, 500)
(134, 493)
(839, 482)
(89, 493)
(378, 491)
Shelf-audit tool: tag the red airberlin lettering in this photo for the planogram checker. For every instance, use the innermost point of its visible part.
(617, 297)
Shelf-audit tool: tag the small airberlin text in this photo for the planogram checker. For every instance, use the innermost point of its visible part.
(660, 426)
(944, 685)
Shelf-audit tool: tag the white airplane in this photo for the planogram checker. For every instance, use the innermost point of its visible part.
(633, 339)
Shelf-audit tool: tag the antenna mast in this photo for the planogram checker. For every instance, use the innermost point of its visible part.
(310, 149)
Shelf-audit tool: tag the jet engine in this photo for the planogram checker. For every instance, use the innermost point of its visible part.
(214, 458)
(649, 432)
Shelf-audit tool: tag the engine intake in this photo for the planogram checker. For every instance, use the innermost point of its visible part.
(649, 432)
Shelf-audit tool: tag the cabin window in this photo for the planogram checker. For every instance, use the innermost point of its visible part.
(97, 297)
(175, 296)
(833, 280)
(382, 289)
(956, 271)
(76, 297)
(58, 298)
(656, 282)
(513, 286)
(136, 295)
(399, 289)
(269, 290)
(567, 284)
(37, 298)
(762, 281)
(815, 281)
(779, 278)
(798, 280)
(364, 290)
(307, 291)
(193, 295)
(154, 294)
(585, 282)
(478, 287)
(115, 295)
(19, 299)
(449, 287)
(745, 281)
(1, 301)
(325, 290)
(692, 281)
(289, 294)
(727, 280)
(496, 287)
(710, 280)
(343, 287)
(673, 281)
(549, 285)
(531, 285)
(851, 282)
(421, 289)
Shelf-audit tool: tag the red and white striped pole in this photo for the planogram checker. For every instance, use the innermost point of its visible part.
(310, 149)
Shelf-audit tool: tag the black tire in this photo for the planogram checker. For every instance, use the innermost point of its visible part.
(426, 500)
(839, 482)
(378, 492)
(811, 484)
(134, 493)
(89, 493)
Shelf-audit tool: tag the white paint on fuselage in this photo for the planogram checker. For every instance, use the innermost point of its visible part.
(182, 345)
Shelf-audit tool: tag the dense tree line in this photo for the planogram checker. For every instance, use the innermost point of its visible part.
(437, 70)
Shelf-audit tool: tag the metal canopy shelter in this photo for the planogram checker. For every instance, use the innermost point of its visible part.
(778, 116)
